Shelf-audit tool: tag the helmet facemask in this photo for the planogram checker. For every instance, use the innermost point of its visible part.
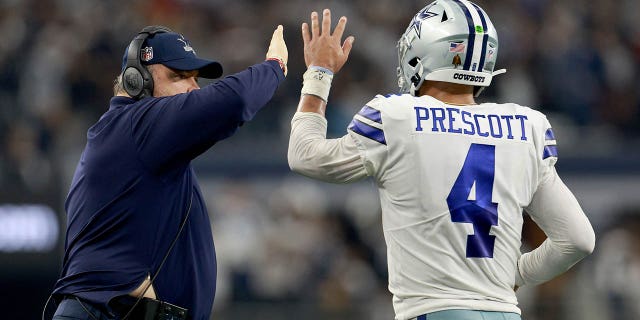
(410, 78)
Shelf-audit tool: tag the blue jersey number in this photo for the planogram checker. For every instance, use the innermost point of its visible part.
(478, 170)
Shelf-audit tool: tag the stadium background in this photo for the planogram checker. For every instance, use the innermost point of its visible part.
(289, 247)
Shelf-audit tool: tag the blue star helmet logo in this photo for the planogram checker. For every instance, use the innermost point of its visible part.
(416, 23)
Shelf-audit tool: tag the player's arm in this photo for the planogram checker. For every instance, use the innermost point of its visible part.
(570, 236)
(310, 153)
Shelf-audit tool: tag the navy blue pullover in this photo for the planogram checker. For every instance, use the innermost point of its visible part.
(133, 186)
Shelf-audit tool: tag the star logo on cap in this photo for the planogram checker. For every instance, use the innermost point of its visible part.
(186, 46)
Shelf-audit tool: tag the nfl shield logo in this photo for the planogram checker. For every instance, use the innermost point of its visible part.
(146, 54)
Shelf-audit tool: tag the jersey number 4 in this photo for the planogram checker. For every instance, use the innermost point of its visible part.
(470, 199)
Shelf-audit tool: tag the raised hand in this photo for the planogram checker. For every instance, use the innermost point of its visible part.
(278, 48)
(323, 49)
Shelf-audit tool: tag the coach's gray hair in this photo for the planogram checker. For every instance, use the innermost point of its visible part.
(118, 87)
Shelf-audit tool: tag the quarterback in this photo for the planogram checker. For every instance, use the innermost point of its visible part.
(454, 176)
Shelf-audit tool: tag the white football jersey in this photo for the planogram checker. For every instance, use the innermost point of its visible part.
(453, 182)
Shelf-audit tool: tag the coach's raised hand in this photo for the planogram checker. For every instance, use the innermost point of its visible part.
(323, 49)
(278, 49)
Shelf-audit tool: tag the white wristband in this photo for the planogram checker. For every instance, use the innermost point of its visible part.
(317, 82)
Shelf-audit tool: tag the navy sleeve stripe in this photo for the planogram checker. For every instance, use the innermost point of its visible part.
(371, 114)
(548, 135)
(367, 131)
(550, 151)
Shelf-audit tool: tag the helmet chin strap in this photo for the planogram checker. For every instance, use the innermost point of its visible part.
(417, 79)
(401, 81)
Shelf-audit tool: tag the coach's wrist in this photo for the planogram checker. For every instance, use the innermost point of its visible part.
(281, 62)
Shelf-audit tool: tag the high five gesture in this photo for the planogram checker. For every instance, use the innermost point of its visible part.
(324, 55)
(323, 49)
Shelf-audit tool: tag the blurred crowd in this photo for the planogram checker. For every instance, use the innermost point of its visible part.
(300, 243)
(284, 240)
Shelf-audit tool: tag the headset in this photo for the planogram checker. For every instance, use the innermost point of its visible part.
(136, 79)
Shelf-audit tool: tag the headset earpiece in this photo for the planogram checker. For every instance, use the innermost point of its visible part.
(136, 78)
(134, 83)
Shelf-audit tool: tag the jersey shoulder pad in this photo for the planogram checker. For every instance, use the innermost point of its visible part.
(531, 113)
(392, 98)
(368, 121)
(542, 129)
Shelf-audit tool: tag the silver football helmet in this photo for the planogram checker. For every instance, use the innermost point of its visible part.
(450, 41)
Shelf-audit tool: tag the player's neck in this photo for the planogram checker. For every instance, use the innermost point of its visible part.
(450, 93)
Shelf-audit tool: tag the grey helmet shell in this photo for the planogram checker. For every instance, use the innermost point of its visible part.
(451, 41)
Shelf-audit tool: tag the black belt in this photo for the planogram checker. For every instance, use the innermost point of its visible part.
(93, 310)
(147, 309)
